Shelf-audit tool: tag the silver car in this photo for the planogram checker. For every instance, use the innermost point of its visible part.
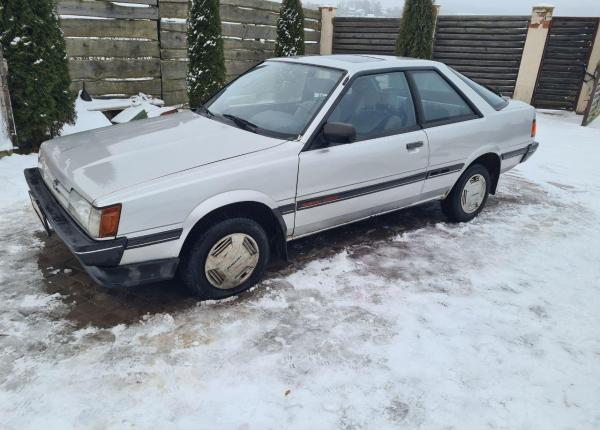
(293, 147)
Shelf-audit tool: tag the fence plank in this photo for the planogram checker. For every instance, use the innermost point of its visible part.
(254, 4)
(248, 44)
(173, 40)
(105, 9)
(246, 31)
(235, 67)
(173, 26)
(247, 55)
(478, 49)
(78, 27)
(248, 16)
(174, 85)
(129, 88)
(173, 54)
(175, 97)
(170, 9)
(81, 47)
(446, 18)
(484, 43)
(174, 69)
(118, 68)
(148, 2)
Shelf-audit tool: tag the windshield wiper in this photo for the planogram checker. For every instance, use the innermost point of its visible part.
(204, 110)
(241, 122)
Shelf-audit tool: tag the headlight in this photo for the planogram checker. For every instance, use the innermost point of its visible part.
(98, 222)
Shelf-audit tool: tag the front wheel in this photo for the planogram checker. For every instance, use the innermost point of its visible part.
(469, 195)
(230, 257)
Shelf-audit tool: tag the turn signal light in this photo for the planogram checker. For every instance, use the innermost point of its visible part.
(533, 128)
(109, 221)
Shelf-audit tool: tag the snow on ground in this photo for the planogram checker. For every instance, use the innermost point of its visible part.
(86, 119)
(491, 324)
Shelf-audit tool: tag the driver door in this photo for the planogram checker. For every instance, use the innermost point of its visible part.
(384, 169)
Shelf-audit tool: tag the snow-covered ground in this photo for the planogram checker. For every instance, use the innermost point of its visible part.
(405, 321)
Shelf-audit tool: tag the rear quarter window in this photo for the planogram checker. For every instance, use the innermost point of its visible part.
(493, 99)
(439, 100)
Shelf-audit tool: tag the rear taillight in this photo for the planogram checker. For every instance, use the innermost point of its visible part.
(533, 128)
(109, 221)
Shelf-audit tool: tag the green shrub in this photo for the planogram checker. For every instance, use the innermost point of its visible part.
(416, 30)
(38, 80)
(206, 67)
(290, 29)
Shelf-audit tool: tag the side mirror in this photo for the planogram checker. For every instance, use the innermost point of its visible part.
(339, 132)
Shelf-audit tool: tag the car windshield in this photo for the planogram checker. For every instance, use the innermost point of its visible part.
(275, 98)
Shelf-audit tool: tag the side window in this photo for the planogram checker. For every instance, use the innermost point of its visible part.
(377, 105)
(439, 100)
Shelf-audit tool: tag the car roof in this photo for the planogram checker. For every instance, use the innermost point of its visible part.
(358, 62)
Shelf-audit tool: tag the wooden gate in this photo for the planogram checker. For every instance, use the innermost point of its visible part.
(565, 60)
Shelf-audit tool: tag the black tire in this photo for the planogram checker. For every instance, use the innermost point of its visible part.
(192, 265)
(451, 205)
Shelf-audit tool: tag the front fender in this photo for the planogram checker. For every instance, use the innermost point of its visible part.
(232, 197)
(221, 200)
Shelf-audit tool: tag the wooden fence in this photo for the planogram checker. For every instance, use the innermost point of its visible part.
(487, 49)
(114, 49)
(365, 35)
(249, 31)
(123, 50)
(566, 55)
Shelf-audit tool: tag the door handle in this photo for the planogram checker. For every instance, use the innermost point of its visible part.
(414, 145)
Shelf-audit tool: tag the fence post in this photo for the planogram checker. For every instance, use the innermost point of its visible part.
(541, 18)
(327, 15)
(6, 114)
(436, 13)
(586, 90)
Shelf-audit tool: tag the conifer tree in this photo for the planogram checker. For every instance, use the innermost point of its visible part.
(206, 67)
(290, 29)
(416, 29)
(38, 80)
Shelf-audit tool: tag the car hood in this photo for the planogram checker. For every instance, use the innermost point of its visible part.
(102, 161)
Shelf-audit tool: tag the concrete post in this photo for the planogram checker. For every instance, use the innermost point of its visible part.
(586, 89)
(327, 15)
(541, 17)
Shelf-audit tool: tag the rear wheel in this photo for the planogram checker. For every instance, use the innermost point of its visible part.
(230, 257)
(469, 195)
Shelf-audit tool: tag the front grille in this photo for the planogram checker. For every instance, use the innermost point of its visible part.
(54, 185)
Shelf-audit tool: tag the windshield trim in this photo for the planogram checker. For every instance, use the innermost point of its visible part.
(273, 133)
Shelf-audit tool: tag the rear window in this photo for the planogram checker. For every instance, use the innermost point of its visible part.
(493, 99)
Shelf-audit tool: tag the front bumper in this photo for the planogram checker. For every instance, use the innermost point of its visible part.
(99, 258)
